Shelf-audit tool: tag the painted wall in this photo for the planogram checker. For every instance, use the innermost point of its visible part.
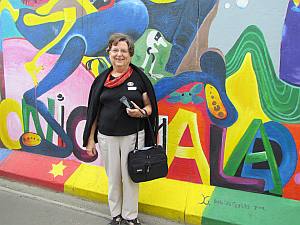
(226, 76)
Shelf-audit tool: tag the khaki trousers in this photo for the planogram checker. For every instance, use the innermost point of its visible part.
(123, 193)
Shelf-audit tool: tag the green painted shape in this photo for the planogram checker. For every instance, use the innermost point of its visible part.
(228, 206)
(51, 104)
(162, 56)
(240, 151)
(25, 115)
(241, 148)
(279, 100)
(26, 110)
(256, 157)
(272, 163)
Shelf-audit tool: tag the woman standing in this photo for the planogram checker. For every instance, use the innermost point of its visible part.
(114, 126)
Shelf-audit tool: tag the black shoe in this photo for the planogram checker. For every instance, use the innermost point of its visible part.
(132, 222)
(117, 220)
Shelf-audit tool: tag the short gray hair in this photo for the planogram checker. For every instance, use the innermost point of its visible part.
(117, 37)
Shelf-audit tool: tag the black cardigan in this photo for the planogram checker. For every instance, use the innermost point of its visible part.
(94, 106)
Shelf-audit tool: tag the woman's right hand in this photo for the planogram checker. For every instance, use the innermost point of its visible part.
(91, 148)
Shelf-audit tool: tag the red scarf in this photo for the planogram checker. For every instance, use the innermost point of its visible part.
(118, 80)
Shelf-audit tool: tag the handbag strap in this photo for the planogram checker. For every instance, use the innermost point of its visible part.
(144, 112)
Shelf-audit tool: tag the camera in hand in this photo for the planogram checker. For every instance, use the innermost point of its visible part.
(126, 102)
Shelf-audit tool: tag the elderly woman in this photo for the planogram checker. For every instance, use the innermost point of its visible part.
(114, 126)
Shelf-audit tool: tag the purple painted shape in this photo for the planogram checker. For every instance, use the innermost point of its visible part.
(290, 46)
(239, 180)
(217, 176)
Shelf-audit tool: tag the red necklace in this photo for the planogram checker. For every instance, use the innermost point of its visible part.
(111, 83)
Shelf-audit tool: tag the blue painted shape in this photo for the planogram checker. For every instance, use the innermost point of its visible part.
(213, 73)
(283, 137)
(94, 28)
(4, 153)
(289, 51)
(179, 22)
(296, 9)
(7, 25)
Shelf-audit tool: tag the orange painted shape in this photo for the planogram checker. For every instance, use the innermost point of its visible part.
(292, 188)
(33, 168)
(31, 139)
(214, 102)
(186, 139)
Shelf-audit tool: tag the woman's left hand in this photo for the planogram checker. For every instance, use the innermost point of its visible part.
(136, 112)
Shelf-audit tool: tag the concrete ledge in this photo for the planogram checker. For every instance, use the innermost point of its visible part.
(227, 206)
(88, 181)
(37, 169)
(176, 200)
(197, 200)
(165, 198)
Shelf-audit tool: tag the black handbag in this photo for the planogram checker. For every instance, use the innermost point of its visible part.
(148, 163)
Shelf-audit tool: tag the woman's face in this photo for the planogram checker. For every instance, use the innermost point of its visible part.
(119, 55)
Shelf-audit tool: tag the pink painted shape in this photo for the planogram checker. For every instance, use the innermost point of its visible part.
(75, 89)
(297, 178)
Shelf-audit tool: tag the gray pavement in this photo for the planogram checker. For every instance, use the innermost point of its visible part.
(23, 204)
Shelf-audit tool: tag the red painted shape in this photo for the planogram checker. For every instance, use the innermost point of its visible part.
(292, 189)
(60, 142)
(184, 170)
(34, 3)
(33, 168)
(186, 139)
(203, 120)
(111, 4)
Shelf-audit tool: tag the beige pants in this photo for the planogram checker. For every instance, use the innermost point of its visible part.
(123, 193)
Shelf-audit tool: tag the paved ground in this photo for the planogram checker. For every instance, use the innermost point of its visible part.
(22, 204)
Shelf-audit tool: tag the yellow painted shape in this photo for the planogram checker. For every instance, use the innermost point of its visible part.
(95, 64)
(198, 197)
(5, 4)
(8, 106)
(69, 15)
(88, 6)
(47, 7)
(164, 198)
(33, 19)
(214, 102)
(58, 169)
(185, 152)
(162, 1)
(296, 2)
(33, 71)
(242, 90)
(177, 126)
(88, 181)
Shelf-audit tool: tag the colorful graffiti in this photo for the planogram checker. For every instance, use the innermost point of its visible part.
(233, 120)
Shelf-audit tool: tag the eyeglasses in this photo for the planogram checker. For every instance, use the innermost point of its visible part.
(116, 51)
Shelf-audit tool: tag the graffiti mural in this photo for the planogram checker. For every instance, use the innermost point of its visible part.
(227, 88)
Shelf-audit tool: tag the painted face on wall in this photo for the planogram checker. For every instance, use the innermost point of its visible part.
(119, 55)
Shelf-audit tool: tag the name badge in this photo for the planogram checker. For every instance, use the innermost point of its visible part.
(131, 88)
